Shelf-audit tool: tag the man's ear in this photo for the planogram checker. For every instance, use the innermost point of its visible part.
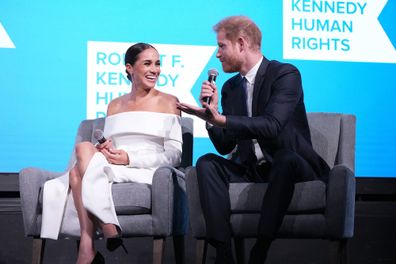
(242, 44)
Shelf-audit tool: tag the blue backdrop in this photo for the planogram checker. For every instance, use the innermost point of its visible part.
(43, 73)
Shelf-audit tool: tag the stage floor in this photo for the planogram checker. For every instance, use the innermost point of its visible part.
(374, 242)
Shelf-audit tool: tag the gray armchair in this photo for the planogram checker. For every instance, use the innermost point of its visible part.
(316, 210)
(158, 211)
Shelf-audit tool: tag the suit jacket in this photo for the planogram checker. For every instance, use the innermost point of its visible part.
(278, 121)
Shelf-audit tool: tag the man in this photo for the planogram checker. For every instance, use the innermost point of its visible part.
(264, 118)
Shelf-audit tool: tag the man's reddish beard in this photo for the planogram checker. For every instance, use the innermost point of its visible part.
(231, 65)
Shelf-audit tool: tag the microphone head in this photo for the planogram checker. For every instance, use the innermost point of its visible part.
(98, 134)
(213, 72)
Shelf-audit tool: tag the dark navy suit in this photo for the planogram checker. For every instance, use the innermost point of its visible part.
(279, 123)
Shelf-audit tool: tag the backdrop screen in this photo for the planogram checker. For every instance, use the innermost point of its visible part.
(62, 62)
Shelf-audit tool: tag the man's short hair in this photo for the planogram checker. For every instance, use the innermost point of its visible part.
(240, 26)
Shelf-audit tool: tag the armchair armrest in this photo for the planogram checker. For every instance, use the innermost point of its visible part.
(30, 182)
(169, 202)
(340, 209)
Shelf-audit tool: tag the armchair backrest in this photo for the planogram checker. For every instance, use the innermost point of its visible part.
(333, 137)
(88, 126)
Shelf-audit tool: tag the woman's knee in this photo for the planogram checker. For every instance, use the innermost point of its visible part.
(83, 149)
(74, 177)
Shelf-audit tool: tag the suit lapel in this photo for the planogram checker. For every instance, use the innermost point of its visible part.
(238, 106)
(258, 84)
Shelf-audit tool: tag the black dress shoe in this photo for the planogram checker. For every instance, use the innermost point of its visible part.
(224, 253)
(98, 259)
(259, 252)
(112, 243)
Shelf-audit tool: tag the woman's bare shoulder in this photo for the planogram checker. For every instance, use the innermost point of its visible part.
(168, 97)
(115, 105)
(167, 103)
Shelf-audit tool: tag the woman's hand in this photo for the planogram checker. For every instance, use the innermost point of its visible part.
(116, 156)
(108, 144)
(113, 156)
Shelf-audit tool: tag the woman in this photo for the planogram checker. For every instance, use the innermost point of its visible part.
(143, 132)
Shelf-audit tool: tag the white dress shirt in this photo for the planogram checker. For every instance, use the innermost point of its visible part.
(250, 77)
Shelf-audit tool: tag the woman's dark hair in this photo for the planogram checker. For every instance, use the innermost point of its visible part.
(133, 52)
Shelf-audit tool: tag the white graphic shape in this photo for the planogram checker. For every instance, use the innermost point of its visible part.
(5, 41)
(351, 30)
(181, 65)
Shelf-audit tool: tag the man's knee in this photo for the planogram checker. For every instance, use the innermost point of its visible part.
(287, 165)
(206, 160)
(208, 168)
(286, 157)
(284, 163)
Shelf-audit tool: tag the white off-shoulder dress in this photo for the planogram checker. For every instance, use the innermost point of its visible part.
(151, 140)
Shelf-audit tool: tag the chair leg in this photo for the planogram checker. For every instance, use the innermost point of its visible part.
(339, 253)
(239, 250)
(200, 251)
(158, 249)
(180, 254)
(38, 250)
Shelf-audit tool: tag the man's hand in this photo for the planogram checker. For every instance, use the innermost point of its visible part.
(209, 89)
(207, 113)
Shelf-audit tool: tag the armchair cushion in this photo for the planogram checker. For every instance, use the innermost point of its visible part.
(301, 226)
(308, 197)
(128, 198)
(131, 198)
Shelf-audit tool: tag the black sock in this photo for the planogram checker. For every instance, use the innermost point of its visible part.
(223, 252)
(259, 252)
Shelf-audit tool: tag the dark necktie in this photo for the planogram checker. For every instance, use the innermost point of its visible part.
(245, 147)
(244, 95)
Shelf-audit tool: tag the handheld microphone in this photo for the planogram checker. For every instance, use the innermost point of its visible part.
(212, 74)
(98, 134)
